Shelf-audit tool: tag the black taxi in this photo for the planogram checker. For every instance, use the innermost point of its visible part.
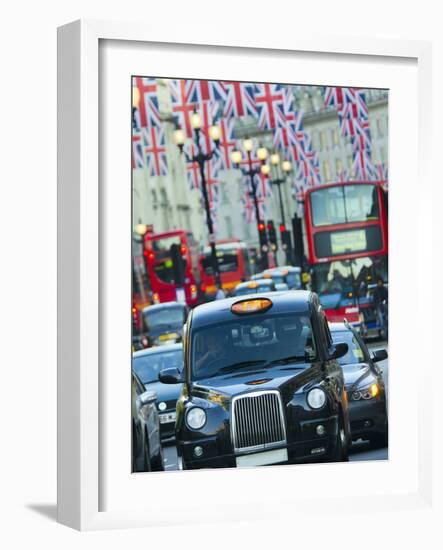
(261, 384)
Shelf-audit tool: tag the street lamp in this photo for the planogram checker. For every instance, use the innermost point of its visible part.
(200, 157)
(251, 171)
(279, 171)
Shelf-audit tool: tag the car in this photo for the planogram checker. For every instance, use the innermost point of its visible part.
(261, 384)
(364, 385)
(163, 323)
(293, 276)
(281, 286)
(147, 452)
(252, 287)
(147, 365)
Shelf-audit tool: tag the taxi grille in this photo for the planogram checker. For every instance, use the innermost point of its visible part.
(257, 421)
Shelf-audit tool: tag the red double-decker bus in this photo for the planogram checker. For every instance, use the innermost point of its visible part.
(233, 263)
(347, 248)
(162, 272)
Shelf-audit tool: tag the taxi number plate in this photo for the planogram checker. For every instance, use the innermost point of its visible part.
(262, 459)
(167, 417)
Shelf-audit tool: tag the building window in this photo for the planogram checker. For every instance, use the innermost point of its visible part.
(334, 136)
(315, 142)
(323, 140)
(326, 171)
(338, 166)
(380, 129)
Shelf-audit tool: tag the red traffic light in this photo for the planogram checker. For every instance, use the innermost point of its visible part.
(282, 228)
(261, 226)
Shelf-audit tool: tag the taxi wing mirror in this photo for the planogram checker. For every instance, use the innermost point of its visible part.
(146, 398)
(339, 350)
(379, 355)
(171, 376)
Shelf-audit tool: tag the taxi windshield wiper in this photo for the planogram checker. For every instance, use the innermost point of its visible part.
(235, 366)
(291, 359)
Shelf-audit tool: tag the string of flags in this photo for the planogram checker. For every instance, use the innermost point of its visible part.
(273, 109)
(353, 117)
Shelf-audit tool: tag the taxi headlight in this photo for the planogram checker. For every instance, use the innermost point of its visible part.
(316, 398)
(366, 393)
(196, 418)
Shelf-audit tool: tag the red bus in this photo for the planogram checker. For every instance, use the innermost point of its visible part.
(160, 266)
(233, 262)
(347, 247)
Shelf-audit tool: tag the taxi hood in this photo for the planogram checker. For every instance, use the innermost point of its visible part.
(285, 378)
(357, 374)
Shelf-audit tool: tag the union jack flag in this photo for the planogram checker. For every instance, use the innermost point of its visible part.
(363, 166)
(240, 99)
(209, 90)
(138, 160)
(227, 142)
(338, 97)
(263, 186)
(148, 110)
(356, 108)
(308, 169)
(270, 102)
(193, 174)
(184, 101)
(287, 134)
(342, 175)
(361, 141)
(382, 174)
(155, 151)
(249, 207)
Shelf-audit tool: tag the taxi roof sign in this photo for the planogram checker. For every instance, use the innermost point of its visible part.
(245, 307)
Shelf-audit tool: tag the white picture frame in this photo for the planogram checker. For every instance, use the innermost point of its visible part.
(86, 499)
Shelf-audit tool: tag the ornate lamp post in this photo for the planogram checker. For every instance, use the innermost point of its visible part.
(251, 171)
(279, 171)
(200, 157)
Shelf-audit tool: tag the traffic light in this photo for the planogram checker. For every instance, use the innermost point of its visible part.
(272, 236)
(178, 264)
(263, 237)
(298, 241)
(285, 238)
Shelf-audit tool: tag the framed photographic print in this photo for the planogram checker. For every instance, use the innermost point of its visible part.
(232, 278)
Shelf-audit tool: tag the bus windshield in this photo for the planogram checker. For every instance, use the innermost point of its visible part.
(348, 280)
(226, 262)
(163, 265)
(344, 204)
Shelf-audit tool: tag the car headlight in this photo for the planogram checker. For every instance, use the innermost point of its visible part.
(196, 418)
(316, 398)
(365, 393)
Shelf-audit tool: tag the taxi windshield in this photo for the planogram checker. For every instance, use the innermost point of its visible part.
(252, 342)
(355, 353)
(163, 317)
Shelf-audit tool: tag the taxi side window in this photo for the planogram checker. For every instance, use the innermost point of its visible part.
(324, 328)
